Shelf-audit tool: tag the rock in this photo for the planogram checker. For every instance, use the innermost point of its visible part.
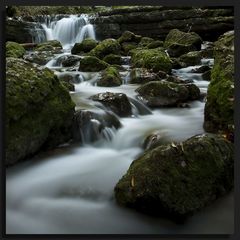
(191, 58)
(85, 46)
(113, 59)
(201, 69)
(154, 59)
(40, 58)
(179, 43)
(219, 108)
(110, 78)
(155, 44)
(154, 140)
(105, 48)
(52, 45)
(14, 49)
(207, 75)
(70, 61)
(175, 79)
(128, 36)
(116, 102)
(39, 110)
(69, 86)
(141, 76)
(176, 180)
(145, 41)
(90, 126)
(128, 46)
(163, 94)
(92, 64)
(194, 92)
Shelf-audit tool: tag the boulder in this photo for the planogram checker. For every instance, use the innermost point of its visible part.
(70, 61)
(113, 59)
(155, 44)
(207, 75)
(85, 46)
(110, 78)
(128, 46)
(116, 102)
(39, 57)
(145, 41)
(141, 76)
(92, 64)
(128, 36)
(219, 108)
(39, 110)
(52, 45)
(201, 69)
(176, 180)
(179, 43)
(105, 48)
(14, 49)
(154, 59)
(191, 58)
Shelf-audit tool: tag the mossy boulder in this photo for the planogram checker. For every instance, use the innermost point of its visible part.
(191, 58)
(39, 57)
(105, 48)
(179, 43)
(154, 59)
(128, 46)
(70, 61)
(85, 46)
(110, 78)
(167, 94)
(113, 59)
(116, 102)
(142, 76)
(219, 108)
(176, 180)
(92, 64)
(52, 45)
(128, 36)
(69, 86)
(145, 41)
(14, 49)
(155, 44)
(39, 110)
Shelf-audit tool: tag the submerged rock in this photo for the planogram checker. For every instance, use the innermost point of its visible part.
(116, 102)
(39, 110)
(14, 49)
(219, 108)
(176, 180)
(110, 78)
(155, 59)
(85, 46)
(92, 64)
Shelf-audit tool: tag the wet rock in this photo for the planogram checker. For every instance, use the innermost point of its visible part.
(175, 79)
(70, 61)
(154, 59)
(191, 58)
(52, 45)
(90, 126)
(176, 180)
(128, 46)
(201, 69)
(207, 75)
(85, 46)
(92, 64)
(113, 59)
(128, 36)
(219, 108)
(179, 43)
(155, 44)
(116, 102)
(69, 86)
(154, 140)
(194, 92)
(141, 76)
(39, 57)
(14, 49)
(110, 78)
(106, 47)
(145, 41)
(39, 110)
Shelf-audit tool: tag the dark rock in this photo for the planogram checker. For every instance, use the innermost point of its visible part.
(128, 36)
(39, 110)
(176, 180)
(110, 78)
(41, 58)
(52, 45)
(116, 102)
(207, 75)
(145, 41)
(154, 140)
(113, 59)
(155, 44)
(70, 61)
(85, 46)
(141, 76)
(191, 58)
(201, 69)
(194, 92)
(92, 64)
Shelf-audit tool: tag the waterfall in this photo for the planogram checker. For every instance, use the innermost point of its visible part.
(68, 30)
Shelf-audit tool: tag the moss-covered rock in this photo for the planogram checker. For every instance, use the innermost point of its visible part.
(39, 57)
(113, 59)
(176, 180)
(141, 76)
(52, 45)
(14, 49)
(155, 44)
(92, 64)
(145, 41)
(110, 78)
(85, 46)
(219, 108)
(163, 94)
(128, 36)
(154, 59)
(191, 58)
(116, 102)
(39, 110)
(128, 46)
(69, 86)
(179, 43)
(70, 61)
(105, 48)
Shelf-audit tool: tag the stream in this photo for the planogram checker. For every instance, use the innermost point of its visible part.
(69, 190)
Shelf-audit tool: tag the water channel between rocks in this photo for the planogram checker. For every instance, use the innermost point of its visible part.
(70, 190)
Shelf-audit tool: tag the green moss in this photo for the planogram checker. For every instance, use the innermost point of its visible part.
(14, 49)
(128, 36)
(191, 58)
(145, 41)
(49, 46)
(154, 59)
(85, 46)
(155, 44)
(106, 47)
(110, 78)
(92, 64)
(113, 59)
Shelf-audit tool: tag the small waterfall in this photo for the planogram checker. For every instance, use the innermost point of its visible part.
(68, 30)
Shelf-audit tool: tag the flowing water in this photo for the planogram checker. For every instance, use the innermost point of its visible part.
(69, 190)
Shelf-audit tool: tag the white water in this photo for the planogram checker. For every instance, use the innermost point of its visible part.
(69, 30)
(70, 190)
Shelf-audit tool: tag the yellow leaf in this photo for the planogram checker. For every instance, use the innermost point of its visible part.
(132, 182)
